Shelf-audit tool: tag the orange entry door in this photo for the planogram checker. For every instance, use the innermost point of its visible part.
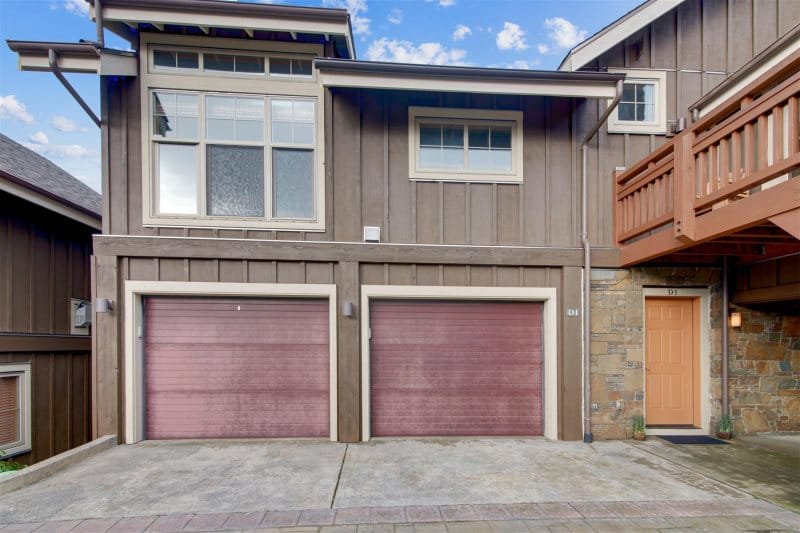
(670, 356)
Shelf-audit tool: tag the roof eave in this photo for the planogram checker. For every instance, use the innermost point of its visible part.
(84, 58)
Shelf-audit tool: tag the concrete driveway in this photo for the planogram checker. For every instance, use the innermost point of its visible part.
(173, 478)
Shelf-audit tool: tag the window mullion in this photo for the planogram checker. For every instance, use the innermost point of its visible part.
(201, 174)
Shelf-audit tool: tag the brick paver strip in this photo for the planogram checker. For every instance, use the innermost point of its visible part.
(624, 509)
(317, 517)
(423, 513)
(352, 515)
(133, 524)
(280, 518)
(594, 510)
(525, 511)
(491, 512)
(456, 513)
(169, 523)
(387, 515)
(206, 522)
(559, 510)
(59, 526)
(243, 520)
(95, 525)
(657, 509)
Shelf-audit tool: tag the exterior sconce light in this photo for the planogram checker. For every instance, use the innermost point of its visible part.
(103, 305)
(348, 308)
(736, 320)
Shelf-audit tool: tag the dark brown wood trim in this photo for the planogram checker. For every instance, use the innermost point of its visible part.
(10, 342)
(204, 248)
(790, 291)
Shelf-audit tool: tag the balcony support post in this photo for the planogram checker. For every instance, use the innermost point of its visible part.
(684, 188)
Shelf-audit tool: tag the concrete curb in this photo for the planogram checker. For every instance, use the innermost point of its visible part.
(48, 467)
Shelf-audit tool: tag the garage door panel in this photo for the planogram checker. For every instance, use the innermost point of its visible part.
(224, 368)
(455, 368)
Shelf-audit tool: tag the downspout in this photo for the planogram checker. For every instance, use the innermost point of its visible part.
(725, 354)
(587, 265)
(53, 59)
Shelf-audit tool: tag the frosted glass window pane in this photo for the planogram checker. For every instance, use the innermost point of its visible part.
(235, 176)
(293, 183)
(501, 160)
(279, 65)
(452, 158)
(480, 159)
(177, 179)
(220, 129)
(430, 157)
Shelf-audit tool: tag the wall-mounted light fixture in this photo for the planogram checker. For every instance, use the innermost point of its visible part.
(348, 309)
(103, 305)
(736, 320)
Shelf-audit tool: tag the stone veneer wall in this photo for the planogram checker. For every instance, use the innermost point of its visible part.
(618, 339)
(764, 370)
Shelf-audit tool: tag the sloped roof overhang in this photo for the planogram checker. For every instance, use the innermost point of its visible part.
(84, 58)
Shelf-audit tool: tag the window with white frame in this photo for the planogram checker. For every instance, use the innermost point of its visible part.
(233, 156)
(15, 408)
(218, 62)
(642, 108)
(465, 144)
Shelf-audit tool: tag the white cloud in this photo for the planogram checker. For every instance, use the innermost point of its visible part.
(395, 16)
(405, 52)
(522, 64)
(563, 33)
(67, 151)
(64, 124)
(447, 3)
(39, 138)
(461, 32)
(511, 37)
(542, 48)
(78, 7)
(10, 107)
(356, 8)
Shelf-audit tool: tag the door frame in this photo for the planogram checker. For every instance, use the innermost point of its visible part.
(135, 291)
(546, 295)
(703, 325)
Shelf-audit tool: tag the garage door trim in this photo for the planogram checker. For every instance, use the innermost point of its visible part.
(134, 371)
(546, 295)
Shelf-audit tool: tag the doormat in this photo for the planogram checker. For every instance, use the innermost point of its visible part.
(691, 439)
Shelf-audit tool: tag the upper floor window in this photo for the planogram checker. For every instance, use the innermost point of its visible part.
(465, 144)
(642, 108)
(228, 157)
(187, 61)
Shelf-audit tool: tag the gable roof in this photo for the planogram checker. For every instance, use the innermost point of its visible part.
(619, 30)
(28, 175)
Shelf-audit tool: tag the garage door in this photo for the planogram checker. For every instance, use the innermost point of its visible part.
(455, 368)
(223, 368)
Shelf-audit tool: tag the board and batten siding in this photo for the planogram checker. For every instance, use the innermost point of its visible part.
(44, 261)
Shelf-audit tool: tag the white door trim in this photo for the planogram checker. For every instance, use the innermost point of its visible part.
(705, 355)
(547, 295)
(134, 371)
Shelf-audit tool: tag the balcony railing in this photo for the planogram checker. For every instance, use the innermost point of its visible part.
(734, 168)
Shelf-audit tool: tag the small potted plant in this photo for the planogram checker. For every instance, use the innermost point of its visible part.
(638, 427)
(725, 427)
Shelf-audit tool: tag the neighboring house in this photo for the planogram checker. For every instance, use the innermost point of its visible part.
(47, 219)
(299, 244)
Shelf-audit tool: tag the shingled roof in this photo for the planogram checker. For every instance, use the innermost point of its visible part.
(29, 169)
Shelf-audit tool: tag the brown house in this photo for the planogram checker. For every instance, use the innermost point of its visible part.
(300, 244)
(47, 219)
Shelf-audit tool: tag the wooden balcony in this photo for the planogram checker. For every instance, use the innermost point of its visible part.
(729, 185)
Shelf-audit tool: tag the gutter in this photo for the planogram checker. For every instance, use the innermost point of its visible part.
(53, 59)
(587, 268)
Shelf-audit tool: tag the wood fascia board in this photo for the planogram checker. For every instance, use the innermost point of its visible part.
(460, 85)
(718, 223)
(616, 33)
(321, 251)
(790, 291)
(788, 222)
(44, 343)
(51, 204)
(266, 23)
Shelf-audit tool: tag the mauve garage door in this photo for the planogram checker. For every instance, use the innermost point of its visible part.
(236, 367)
(455, 368)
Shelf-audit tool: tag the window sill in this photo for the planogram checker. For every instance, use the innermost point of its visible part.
(467, 178)
(315, 227)
(20, 449)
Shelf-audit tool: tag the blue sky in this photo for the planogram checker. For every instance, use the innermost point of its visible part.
(530, 34)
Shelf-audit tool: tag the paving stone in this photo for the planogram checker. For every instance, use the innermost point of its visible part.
(491, 512)
(281, 519)
(21, 528)
(206, 522)
(317, 517)
(133, 524)
(508, 526)
(95, 525)
(650, 523)
(593, 510)
(456, 513)
(787, 519)
(468, 527)
(613, 525)
(352, 515)
(423, 513)
(338, 529)
(559, 510)
(657, 509)
(59, 526)
(435, 527)
(525, 511)
(624, 509)
(387, 515)
(375, 528)
(243, 520)
(169, 524)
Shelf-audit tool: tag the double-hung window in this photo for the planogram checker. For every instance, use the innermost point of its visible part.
(15, 408)
(231, 159)
(642, 108)
(465, 144)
